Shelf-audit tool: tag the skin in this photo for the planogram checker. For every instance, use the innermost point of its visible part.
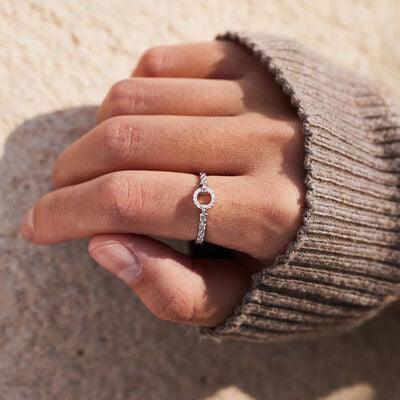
(188, 108)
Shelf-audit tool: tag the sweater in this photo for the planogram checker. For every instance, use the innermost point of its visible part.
(344, 265)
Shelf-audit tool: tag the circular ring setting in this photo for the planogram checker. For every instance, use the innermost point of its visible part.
(202, 190)
(201, 234)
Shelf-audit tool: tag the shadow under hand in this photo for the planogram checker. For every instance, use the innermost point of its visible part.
(69, 330)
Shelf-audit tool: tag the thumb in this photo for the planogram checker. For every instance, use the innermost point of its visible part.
(173, 286)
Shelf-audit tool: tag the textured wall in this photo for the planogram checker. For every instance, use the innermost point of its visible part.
(68, 330)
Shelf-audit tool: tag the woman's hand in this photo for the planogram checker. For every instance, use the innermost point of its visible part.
(199, 107)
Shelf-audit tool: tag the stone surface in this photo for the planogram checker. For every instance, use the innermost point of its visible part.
(68, 330)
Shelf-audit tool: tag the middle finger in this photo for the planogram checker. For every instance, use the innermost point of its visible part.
(161, 143)
(173, 96)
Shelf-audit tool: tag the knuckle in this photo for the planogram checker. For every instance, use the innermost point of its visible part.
(123, 198)
(277, 218)
(120, 138)
(115, 99)
(118, 92)
(284, 207)
(152, 61)
(289, 206)
(276, 133)
(126, 95)
(288, 130)
(175, 308)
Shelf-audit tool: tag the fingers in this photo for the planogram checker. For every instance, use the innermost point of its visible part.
(160, 143)
(168, 96)
(144, 202)
(160, 204)
(217, 59)
(173, 286)
(125, 201)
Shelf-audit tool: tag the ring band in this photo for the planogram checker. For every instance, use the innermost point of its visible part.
(203, 207)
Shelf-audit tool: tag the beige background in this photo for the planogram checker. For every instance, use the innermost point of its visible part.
(68, 330)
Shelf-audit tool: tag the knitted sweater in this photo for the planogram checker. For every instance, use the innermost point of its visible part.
(344, 265)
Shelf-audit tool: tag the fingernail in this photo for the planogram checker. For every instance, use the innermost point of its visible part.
(118, 260)
(27, 225)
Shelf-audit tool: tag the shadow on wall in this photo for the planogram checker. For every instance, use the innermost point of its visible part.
(69, 330)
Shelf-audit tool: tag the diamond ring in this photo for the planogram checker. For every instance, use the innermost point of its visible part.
(203, 189)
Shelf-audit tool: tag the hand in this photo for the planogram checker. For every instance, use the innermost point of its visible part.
(199, 107)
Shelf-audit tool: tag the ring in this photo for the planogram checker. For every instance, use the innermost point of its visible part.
(203, 207)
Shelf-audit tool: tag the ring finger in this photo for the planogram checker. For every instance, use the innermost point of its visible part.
(142, 202)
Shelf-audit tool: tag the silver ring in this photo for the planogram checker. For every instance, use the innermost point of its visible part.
(201, 234)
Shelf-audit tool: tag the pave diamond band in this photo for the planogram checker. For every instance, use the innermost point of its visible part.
(203, 189)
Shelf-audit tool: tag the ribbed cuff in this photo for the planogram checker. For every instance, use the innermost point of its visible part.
(344, 265)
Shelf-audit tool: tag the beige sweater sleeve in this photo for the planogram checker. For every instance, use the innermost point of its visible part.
(344, 265)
